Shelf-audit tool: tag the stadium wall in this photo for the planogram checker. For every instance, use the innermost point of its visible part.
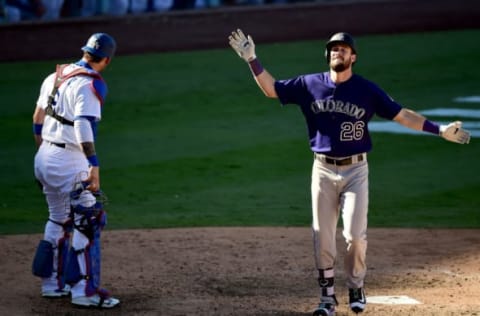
(209, 28)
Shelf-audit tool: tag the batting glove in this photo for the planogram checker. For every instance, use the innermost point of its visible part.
(455, 133)
(244, 46)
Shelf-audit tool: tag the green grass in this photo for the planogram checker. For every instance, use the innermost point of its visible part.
(187, 139)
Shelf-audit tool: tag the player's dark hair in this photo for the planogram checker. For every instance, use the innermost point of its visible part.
(92, 58)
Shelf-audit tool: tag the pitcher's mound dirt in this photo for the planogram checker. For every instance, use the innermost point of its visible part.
(255, 271)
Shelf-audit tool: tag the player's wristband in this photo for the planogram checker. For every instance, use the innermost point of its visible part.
(93, 160)
(37, 129)
(431, 127)
(255, 67)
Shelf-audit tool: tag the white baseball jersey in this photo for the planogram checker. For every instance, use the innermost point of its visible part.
(75, 97)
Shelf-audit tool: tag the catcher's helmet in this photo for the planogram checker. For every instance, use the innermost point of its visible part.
(101, 45)
(337, 38)
(82, 200)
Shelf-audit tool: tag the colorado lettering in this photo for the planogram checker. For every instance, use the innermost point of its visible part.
(338, 106)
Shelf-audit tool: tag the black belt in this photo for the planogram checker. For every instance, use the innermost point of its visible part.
(343, 162)
(58, 145)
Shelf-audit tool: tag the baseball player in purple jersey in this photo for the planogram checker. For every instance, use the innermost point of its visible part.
(337, 106)
(64, 124)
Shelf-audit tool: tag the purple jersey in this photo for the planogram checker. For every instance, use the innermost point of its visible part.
(337, 115)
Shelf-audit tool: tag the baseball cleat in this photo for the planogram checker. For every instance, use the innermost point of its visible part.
(326, 306)
(57, 293)
(95, 301)
(357, 300)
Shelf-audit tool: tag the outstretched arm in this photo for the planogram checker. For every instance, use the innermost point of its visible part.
(245, 48)
(412, 120)
(452, 132)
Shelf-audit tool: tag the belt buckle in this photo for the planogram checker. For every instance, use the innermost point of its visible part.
(330, 161)
(344, 162)
(358, 158)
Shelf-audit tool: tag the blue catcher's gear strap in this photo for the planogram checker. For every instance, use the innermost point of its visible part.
(63, 248)
(59, 79)
(93, 264)
(72, 273)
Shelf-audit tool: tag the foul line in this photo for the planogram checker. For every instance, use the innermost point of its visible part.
(392, 300)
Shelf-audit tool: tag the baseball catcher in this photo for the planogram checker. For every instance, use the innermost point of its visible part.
(65, 120)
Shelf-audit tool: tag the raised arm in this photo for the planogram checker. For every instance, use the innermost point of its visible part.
(245, 48)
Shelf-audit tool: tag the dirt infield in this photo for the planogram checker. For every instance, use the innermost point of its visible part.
(255, 271)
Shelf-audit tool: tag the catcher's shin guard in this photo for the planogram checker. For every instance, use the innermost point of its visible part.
(85, 264)
(85, 254)
(42, 265)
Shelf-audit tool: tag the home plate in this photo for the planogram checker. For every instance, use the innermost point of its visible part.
(392, 300)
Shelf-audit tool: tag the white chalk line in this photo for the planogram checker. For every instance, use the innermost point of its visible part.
(392, 300)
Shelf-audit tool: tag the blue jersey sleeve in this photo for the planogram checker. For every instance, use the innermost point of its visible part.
(100, 89)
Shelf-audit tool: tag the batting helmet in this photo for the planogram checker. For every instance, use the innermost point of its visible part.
(339, 38)
(101, 45)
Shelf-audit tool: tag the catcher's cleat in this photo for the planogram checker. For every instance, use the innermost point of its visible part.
(326, 306)
(96, 301)
(357, 300)
(57, 293)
